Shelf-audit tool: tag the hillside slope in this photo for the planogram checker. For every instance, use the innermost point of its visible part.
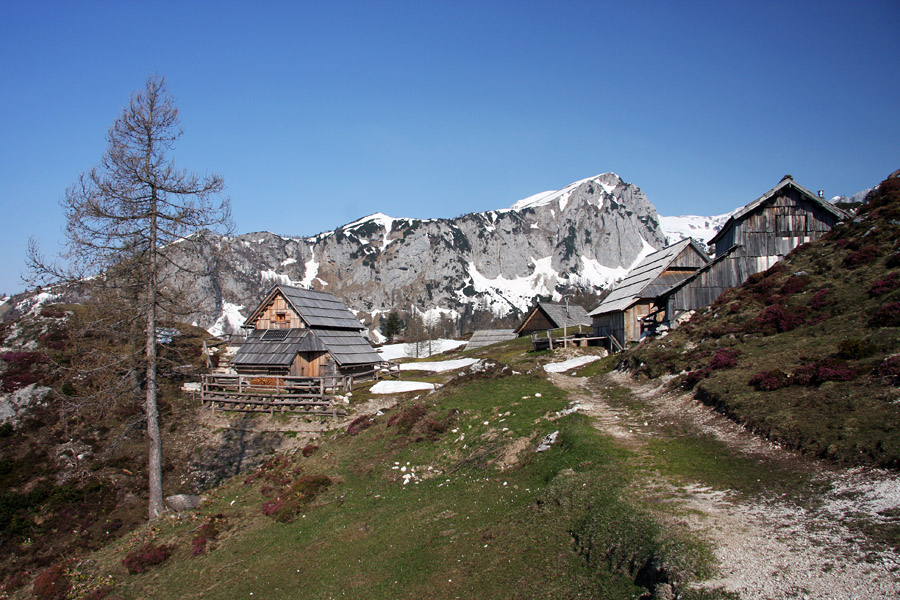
(807, 352)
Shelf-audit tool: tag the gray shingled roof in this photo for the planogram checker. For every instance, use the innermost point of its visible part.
(635, 284)
(348, 347)
(317, 309)
(785, 181)
(486, 337)
(557, 314)
(257, 351)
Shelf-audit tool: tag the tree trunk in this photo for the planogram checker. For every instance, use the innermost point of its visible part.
(154, 465)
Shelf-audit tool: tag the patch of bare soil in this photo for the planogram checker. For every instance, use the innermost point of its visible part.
(766, 548)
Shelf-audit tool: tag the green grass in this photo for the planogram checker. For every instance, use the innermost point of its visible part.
(462, 528)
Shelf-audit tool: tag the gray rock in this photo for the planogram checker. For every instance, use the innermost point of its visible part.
(547, 442)
(183, 502)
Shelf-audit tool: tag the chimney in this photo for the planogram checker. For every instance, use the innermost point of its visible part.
(821, 193)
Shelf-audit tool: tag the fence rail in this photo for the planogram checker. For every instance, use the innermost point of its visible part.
(270, 393)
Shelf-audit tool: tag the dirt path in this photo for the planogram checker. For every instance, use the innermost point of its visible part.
(766, 548)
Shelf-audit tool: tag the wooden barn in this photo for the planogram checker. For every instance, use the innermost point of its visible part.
(753, 239)
(634, 306)
(304, 333)
(548, 315)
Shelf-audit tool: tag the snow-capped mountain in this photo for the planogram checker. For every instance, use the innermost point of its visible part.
(490, 264)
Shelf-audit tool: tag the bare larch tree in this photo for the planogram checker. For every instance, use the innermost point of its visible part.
(121, 218)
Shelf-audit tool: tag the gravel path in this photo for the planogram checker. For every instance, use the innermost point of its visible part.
(766, 548)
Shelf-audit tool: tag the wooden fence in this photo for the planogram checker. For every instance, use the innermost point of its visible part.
(271, 394)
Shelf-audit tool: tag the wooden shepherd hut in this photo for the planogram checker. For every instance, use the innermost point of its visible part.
(634, 306)
(304, 333)
(548, 315)
(753, 239)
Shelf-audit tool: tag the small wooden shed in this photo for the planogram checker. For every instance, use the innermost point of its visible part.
(634, 304)
(753, 239)
(304, 333)
(549, 315)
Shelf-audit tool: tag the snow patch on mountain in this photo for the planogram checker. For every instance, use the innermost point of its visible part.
(701, 229)
(229, 321)
(310, 274)
(280, 278)
(595, 274)
(502, 294)
(562, 196)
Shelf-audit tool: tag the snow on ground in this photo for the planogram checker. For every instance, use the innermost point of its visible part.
(398, 387)
(568, 365)
(395, 351)
(230, 320)
(439, 367)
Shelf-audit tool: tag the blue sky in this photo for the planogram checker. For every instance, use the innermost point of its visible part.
(317, 114)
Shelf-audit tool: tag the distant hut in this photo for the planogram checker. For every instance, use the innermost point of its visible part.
(548, 315)
(486, 337)
(634, 306)
(753, 239)
(304, 333)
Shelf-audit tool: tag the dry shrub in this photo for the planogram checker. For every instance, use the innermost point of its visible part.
(359, 424)
(52, 584)
(308, 450)
(208, 532)
(407, 418)
(148, 555)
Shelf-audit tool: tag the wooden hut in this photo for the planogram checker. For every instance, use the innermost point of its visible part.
(548, 315)
(304, 333)
(633, 307)
(753, 239)
(486, 337)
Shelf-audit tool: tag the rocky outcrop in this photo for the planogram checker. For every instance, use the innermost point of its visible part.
(582, 237)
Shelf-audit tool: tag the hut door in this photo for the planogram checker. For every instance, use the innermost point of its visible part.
(307, 364)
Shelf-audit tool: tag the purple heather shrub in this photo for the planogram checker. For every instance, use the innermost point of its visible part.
(694, 377)
(886, 316)
(271, 508)
(767, 381)
(833, 370)
(795, 284)
(803, 375)
(724, 358)
(822, 299)
(778, 318)
(884, 285)
(890, 367)
(862, 256)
